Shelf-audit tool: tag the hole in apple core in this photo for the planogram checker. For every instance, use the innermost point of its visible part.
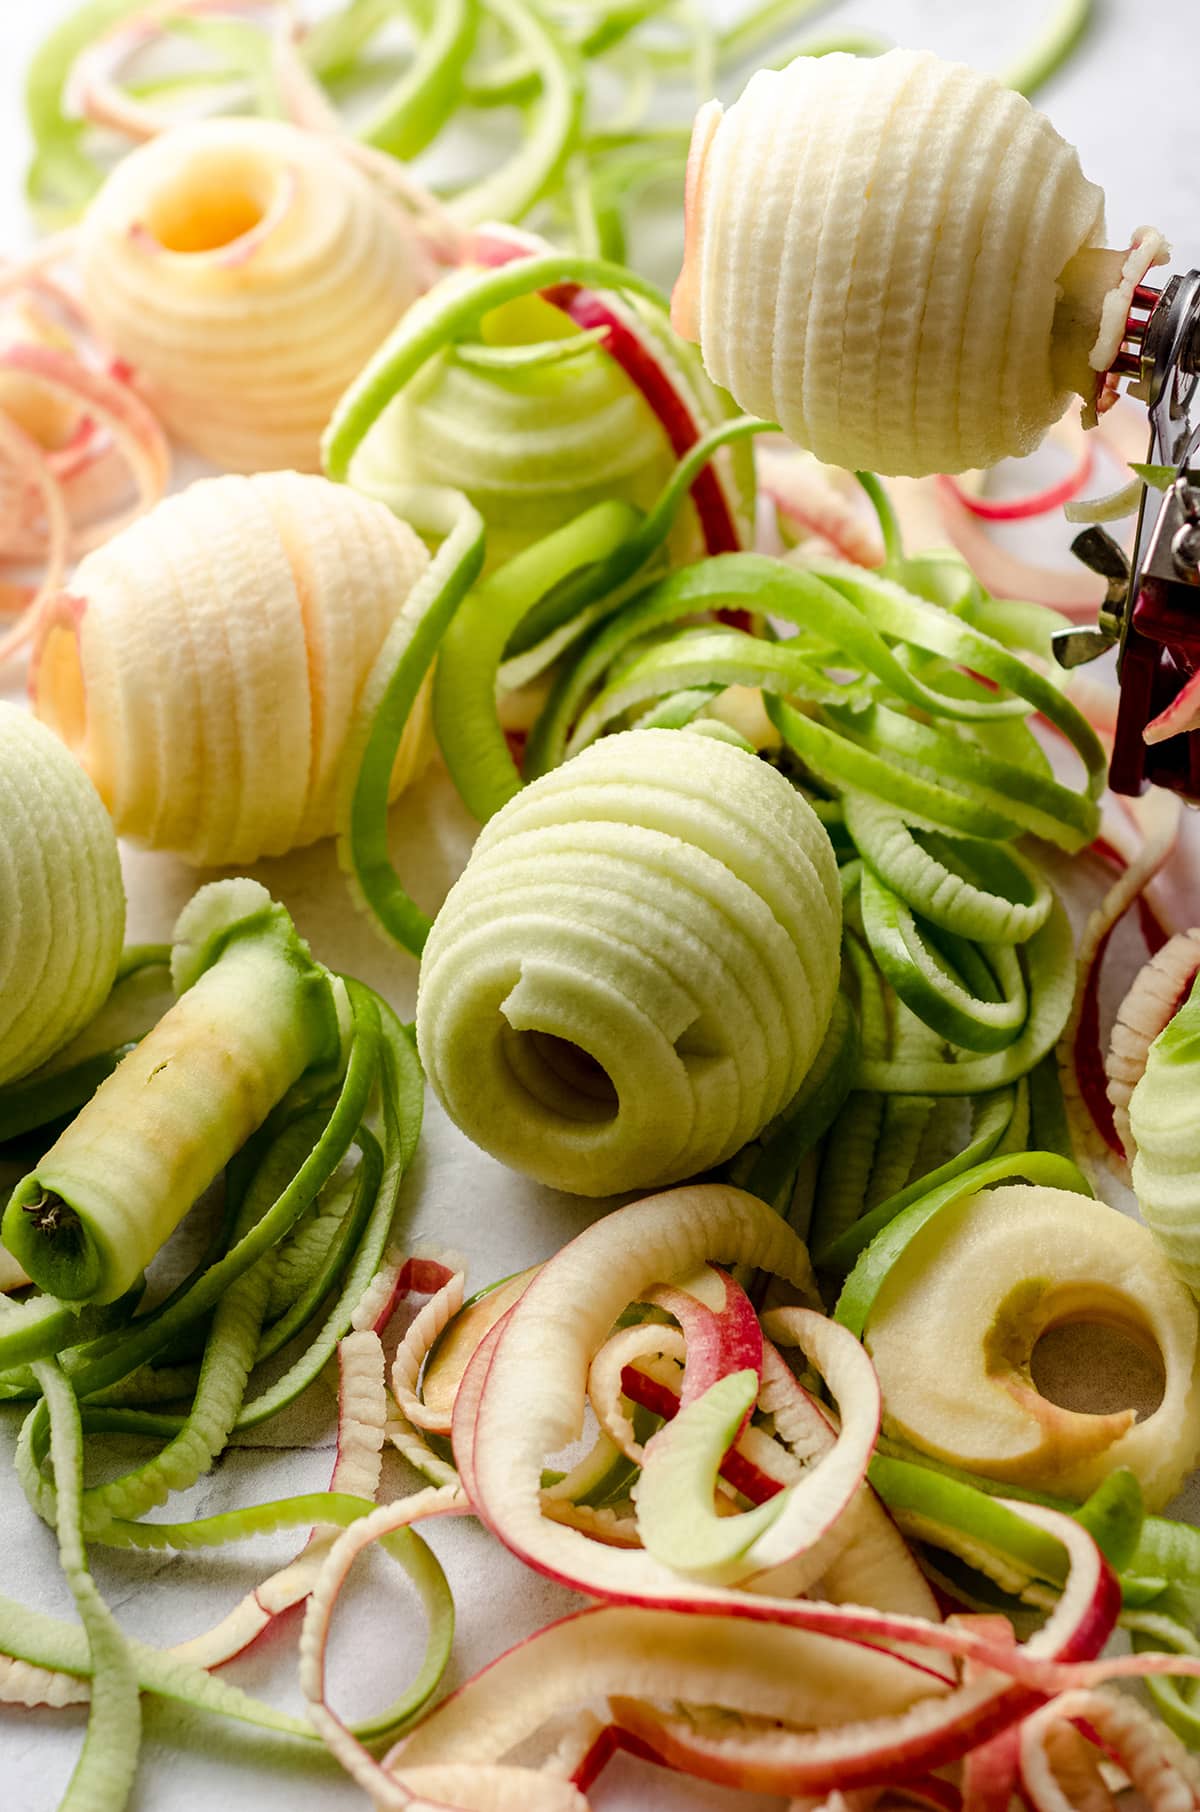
(561, 1076)
(1095, 1368)
(212, 201)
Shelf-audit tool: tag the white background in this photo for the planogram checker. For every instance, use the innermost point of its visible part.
(1128, 101)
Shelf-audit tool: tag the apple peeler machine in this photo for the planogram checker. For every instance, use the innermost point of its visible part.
(1151, 613)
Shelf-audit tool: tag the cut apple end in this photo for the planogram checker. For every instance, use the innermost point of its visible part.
(1084, 283)
(1015, 1263)
(1096, 292)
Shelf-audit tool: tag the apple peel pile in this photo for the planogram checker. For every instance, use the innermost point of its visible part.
(892, 258)
(247, 269)
(820, 1662)
(636, 969)
(62, 902)
(276, 593)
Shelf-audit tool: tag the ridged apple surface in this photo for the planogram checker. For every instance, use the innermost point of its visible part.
(635, 971)
(62, 904)
(207, 664)
(247, 270)
(897, 259)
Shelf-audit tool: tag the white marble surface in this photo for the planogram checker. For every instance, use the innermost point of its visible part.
(1128, 102)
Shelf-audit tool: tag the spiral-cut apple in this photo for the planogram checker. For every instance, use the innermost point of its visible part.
(956, 1319)
(1165, 1132)
(207, 664)
(635, 971)
(1155, 995)
(62, 905)
(247, 269)
(897, 260)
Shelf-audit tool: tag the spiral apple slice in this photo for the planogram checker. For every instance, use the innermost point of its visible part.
(914, 286)
(530, 449)
(62, 903)
(276, 593)
(247, 269)
(635, 971)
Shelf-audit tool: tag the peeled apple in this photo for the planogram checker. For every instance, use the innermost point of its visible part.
(535, 420)
(253, 1012)
(207, 663)
(247, 269)
(1158, 990)
(62, 904)
(635, 971)
(898, 260)
(1164, 1122)
(953, 1329)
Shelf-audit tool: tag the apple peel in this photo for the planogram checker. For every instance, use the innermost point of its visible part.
(1156, 993)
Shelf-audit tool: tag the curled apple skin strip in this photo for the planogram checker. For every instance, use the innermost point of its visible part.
(1162, 1122)
(587, 1047)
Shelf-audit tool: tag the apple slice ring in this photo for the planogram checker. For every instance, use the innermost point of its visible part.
(992, 1272)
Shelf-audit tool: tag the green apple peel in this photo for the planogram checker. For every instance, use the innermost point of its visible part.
(254, 1012)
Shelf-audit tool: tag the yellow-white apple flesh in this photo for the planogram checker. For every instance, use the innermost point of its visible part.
(955, 1323)
(207, 665)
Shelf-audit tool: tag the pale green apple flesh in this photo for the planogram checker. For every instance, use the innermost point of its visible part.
(636, 969)
(1164, 1121)
(62, 904)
